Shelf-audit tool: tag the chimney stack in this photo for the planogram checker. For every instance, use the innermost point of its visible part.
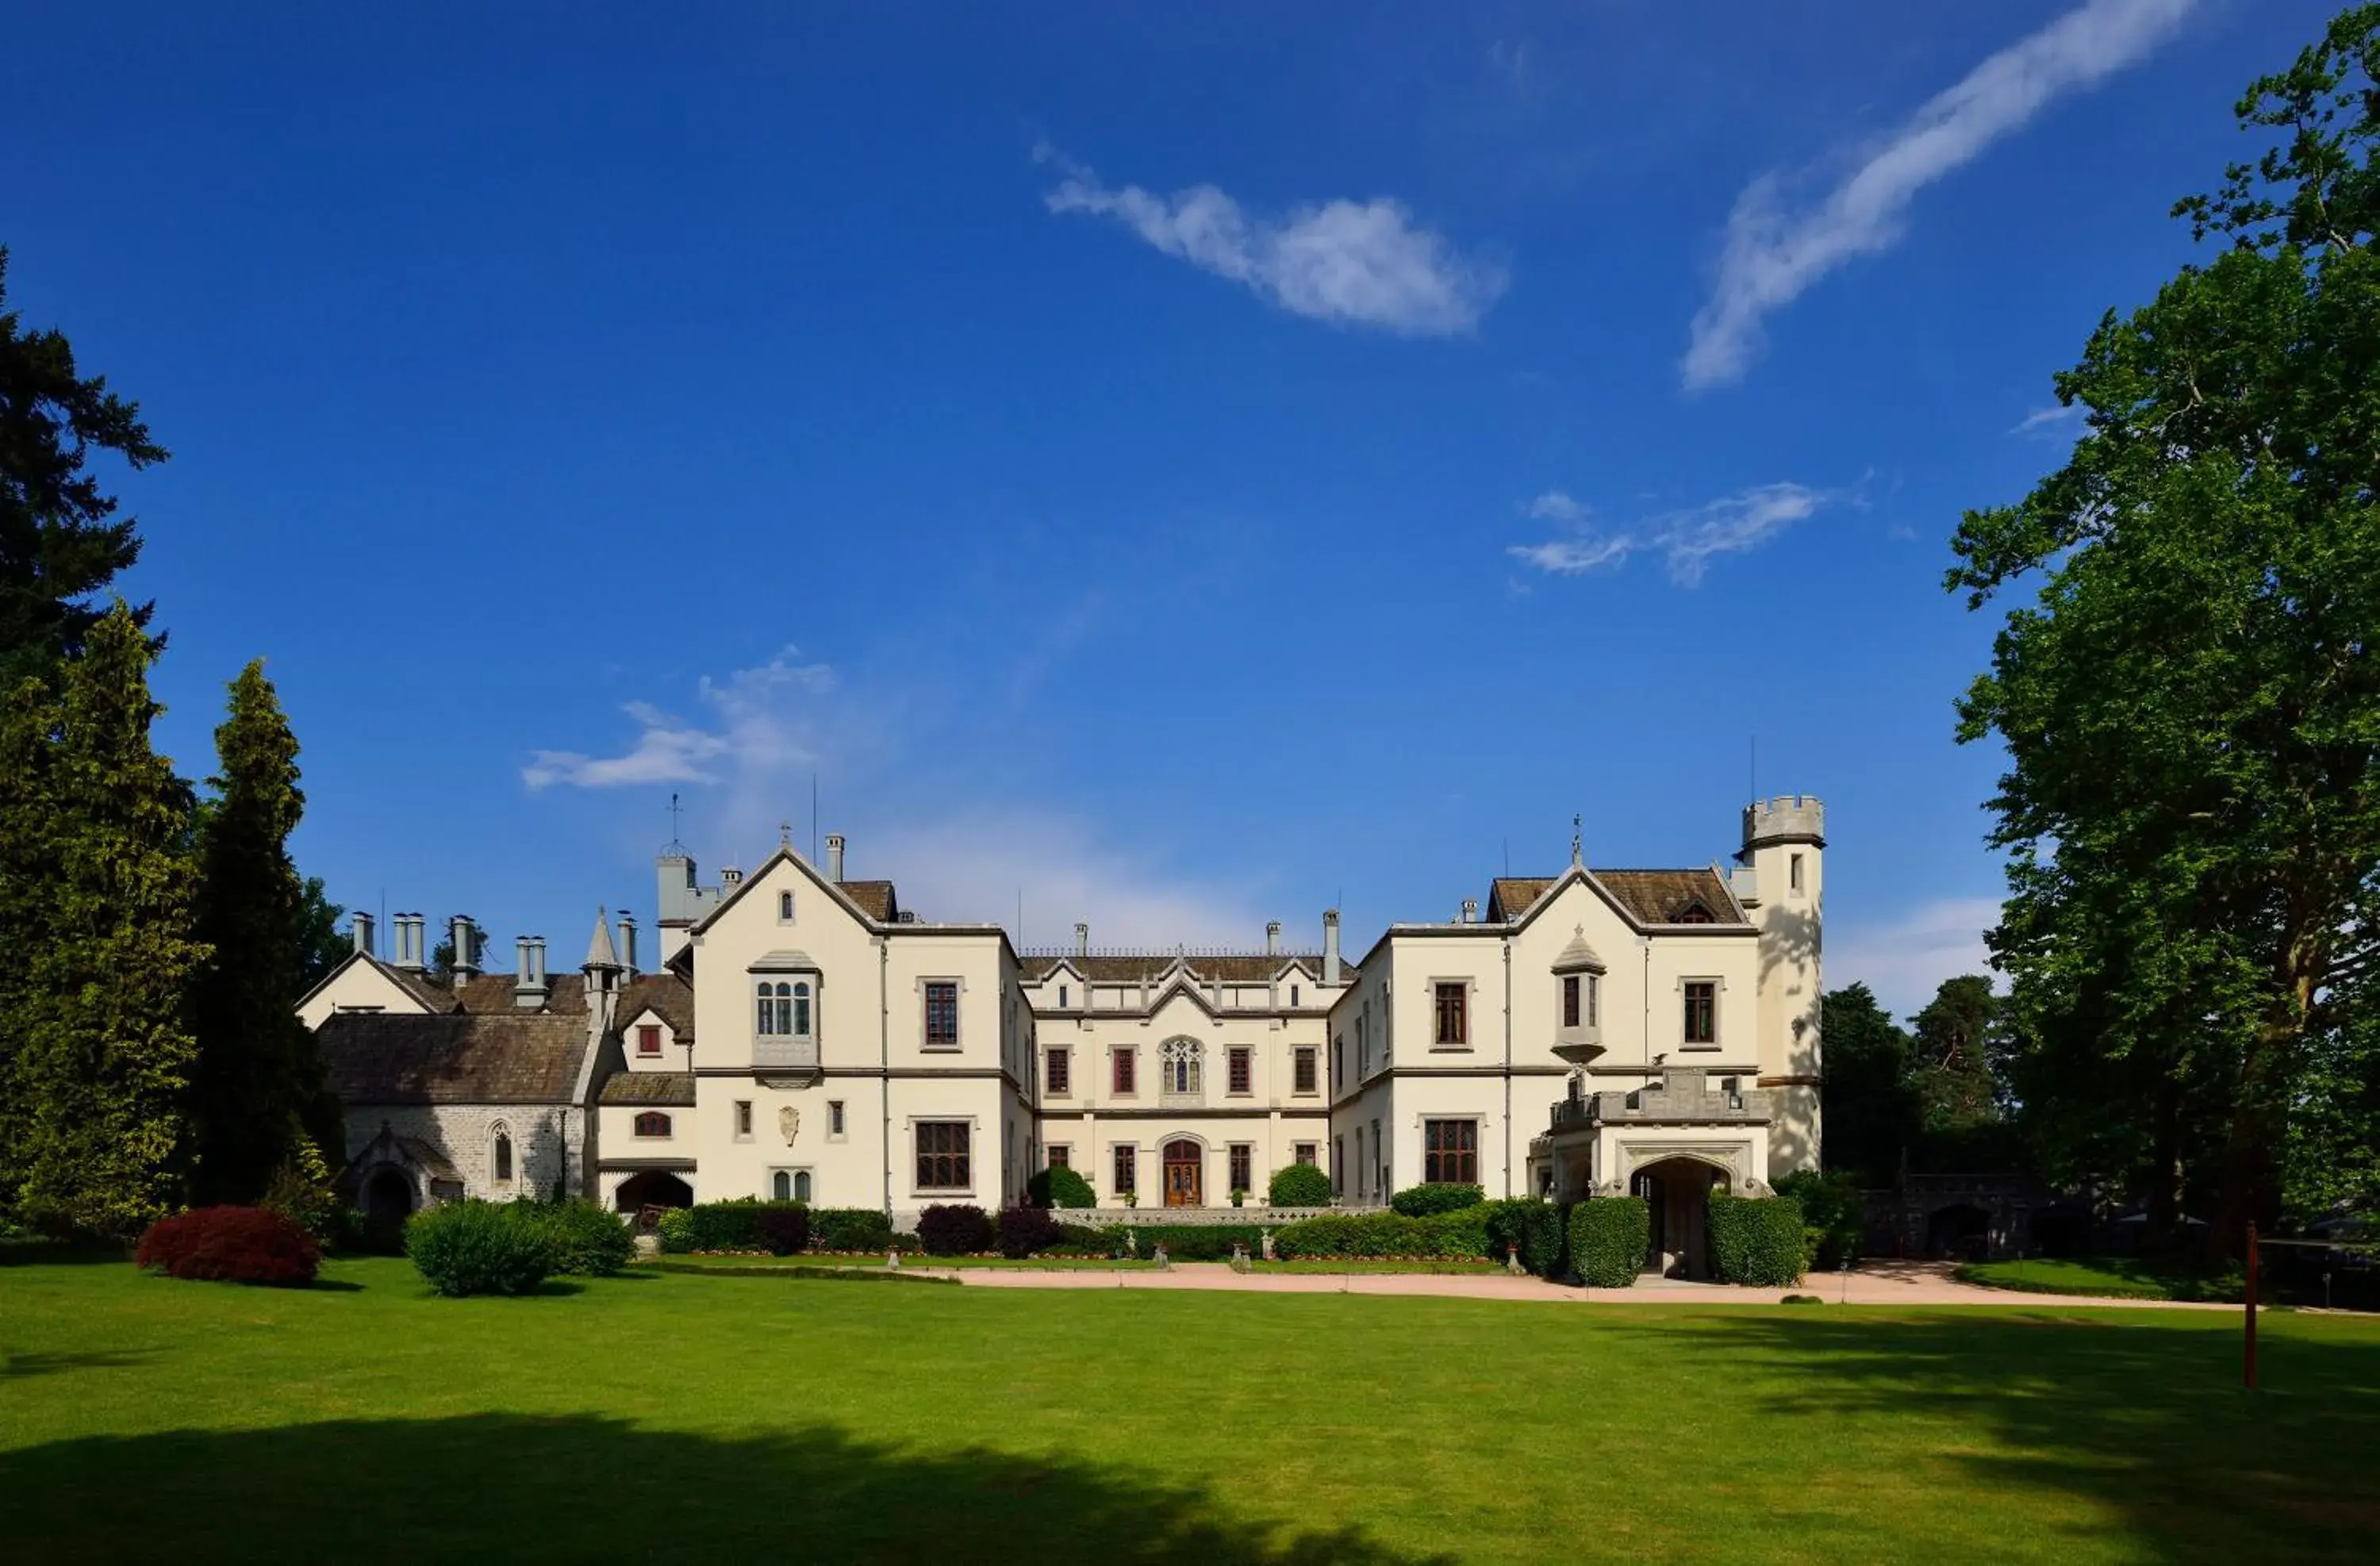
(466, 954)
(628, 943)
(834, 857)
(1082, 939)
(1331, 974)
(729, 880)
(1470, 910)
(530, 988)
(363, 925)
(1272, 937)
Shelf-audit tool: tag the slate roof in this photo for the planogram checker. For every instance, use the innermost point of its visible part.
(665, 993)
(1133, 967)
(459, 1057)
(660, 1089)
(876, 899)
(1654, 897)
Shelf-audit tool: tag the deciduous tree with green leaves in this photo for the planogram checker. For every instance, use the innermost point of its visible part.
(61, 540)
(2190, 705)
(103, 1072)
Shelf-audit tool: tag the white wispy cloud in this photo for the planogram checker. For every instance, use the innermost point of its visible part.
(1774, 252)
(2051, 419)
(1686, 540)
(917, 791)
(1361, 263)
(1904, 959)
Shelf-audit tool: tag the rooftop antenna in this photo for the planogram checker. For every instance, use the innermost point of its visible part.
(1577, 840)
(784, 834)
(674, 808)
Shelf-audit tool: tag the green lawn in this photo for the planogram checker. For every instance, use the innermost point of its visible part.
(685, 1416)
(2115, 1276)
(909, 1261)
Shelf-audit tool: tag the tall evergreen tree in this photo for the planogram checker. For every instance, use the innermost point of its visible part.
(28, 879)
(1871, 1112)
(256, 1072)
(105, 1070)
(60, 539)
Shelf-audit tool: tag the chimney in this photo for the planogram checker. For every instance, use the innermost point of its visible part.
(1331, 974)
(1470, 910)
(1272, 937)
(834, 857)
(1082, 939)
(628, 943)
(364, 934)
(408, 942)
(729, 880)
(467, 955)
(529, 979)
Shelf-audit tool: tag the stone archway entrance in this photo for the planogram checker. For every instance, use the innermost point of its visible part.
(1678, 1191)
(1186, 1173)
(652, 1188)
(388, 1197)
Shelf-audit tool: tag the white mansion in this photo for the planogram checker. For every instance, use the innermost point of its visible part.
(802, 1035)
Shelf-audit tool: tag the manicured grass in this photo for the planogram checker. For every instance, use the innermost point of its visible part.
(689, 1417)
(1324, 1264)
(2111, 1277)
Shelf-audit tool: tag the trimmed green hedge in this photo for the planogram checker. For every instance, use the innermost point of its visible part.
(1299, 1185)
(849, 1229)
(1609, 1237)
(1536, 1227)
(1197, 1242)
(1429, 1201)
(1833, 1216)
(1453, 1236)
(1060, 1186)
(1757, 1240)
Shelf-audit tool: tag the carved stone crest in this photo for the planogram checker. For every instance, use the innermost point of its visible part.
(789, 1121)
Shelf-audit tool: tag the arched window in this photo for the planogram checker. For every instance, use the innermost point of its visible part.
(785, 907)
(801, 1186)
(776, 1007)
(1179, 1063)
(780, 1186)
(801, 1026)
(502, 1159)
(652, 1123)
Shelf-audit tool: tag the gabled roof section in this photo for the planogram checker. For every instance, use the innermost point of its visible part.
(841, 892)
(874, 898)
(1509, 897)
(421, 989)
(664, 995)
(459, 1058)
(1647, 897)
(1154, 967)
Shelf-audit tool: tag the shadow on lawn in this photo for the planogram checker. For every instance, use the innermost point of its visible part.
(490, 1486)
(2148, 1419)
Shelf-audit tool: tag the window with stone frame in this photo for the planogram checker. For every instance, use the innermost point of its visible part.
(941, 1015)
(942, 1147)
(1242, 1070)
(1126, 1162)
(1060, 1155)
(652, 1122)
(743, 1118)
(1304, 1153)
(1702, 1012)
(1060, 1073)
(1453, 1015)
(1243, 1160)
(649, 1040)
(1302, 1063)
(1124, 1074)
(1450, 1153)
(1570, 999)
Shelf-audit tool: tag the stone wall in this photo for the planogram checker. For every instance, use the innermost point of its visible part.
(549, 1143)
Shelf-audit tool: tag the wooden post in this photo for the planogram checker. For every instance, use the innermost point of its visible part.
(2252, 1308)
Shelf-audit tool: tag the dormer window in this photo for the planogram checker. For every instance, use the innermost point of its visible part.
(652, 1123)
(1694, 914)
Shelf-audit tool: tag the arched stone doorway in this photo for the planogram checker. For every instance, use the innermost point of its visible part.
(652, 1188)
(1677, 1192)
(1186, 1174)
(388, 1197)
(1961, 1231)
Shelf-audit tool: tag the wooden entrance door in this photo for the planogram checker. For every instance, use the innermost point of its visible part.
(1186, 1166)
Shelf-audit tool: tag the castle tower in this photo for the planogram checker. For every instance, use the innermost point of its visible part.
(1784, 846)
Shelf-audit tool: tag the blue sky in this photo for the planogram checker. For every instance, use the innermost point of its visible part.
(1186, 466)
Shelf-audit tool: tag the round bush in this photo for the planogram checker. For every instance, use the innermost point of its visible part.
(1609, 1238)
(1429, 1201)
(1299, 1185)
(479, 1248)
(1025, 1232)
(1060, 1186)
(675, 1230)
(231, 1245)
(960, 1229)
(584, 1239)
(783, 1231)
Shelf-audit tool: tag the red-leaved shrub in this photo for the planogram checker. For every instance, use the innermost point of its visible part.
(231, 1245)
